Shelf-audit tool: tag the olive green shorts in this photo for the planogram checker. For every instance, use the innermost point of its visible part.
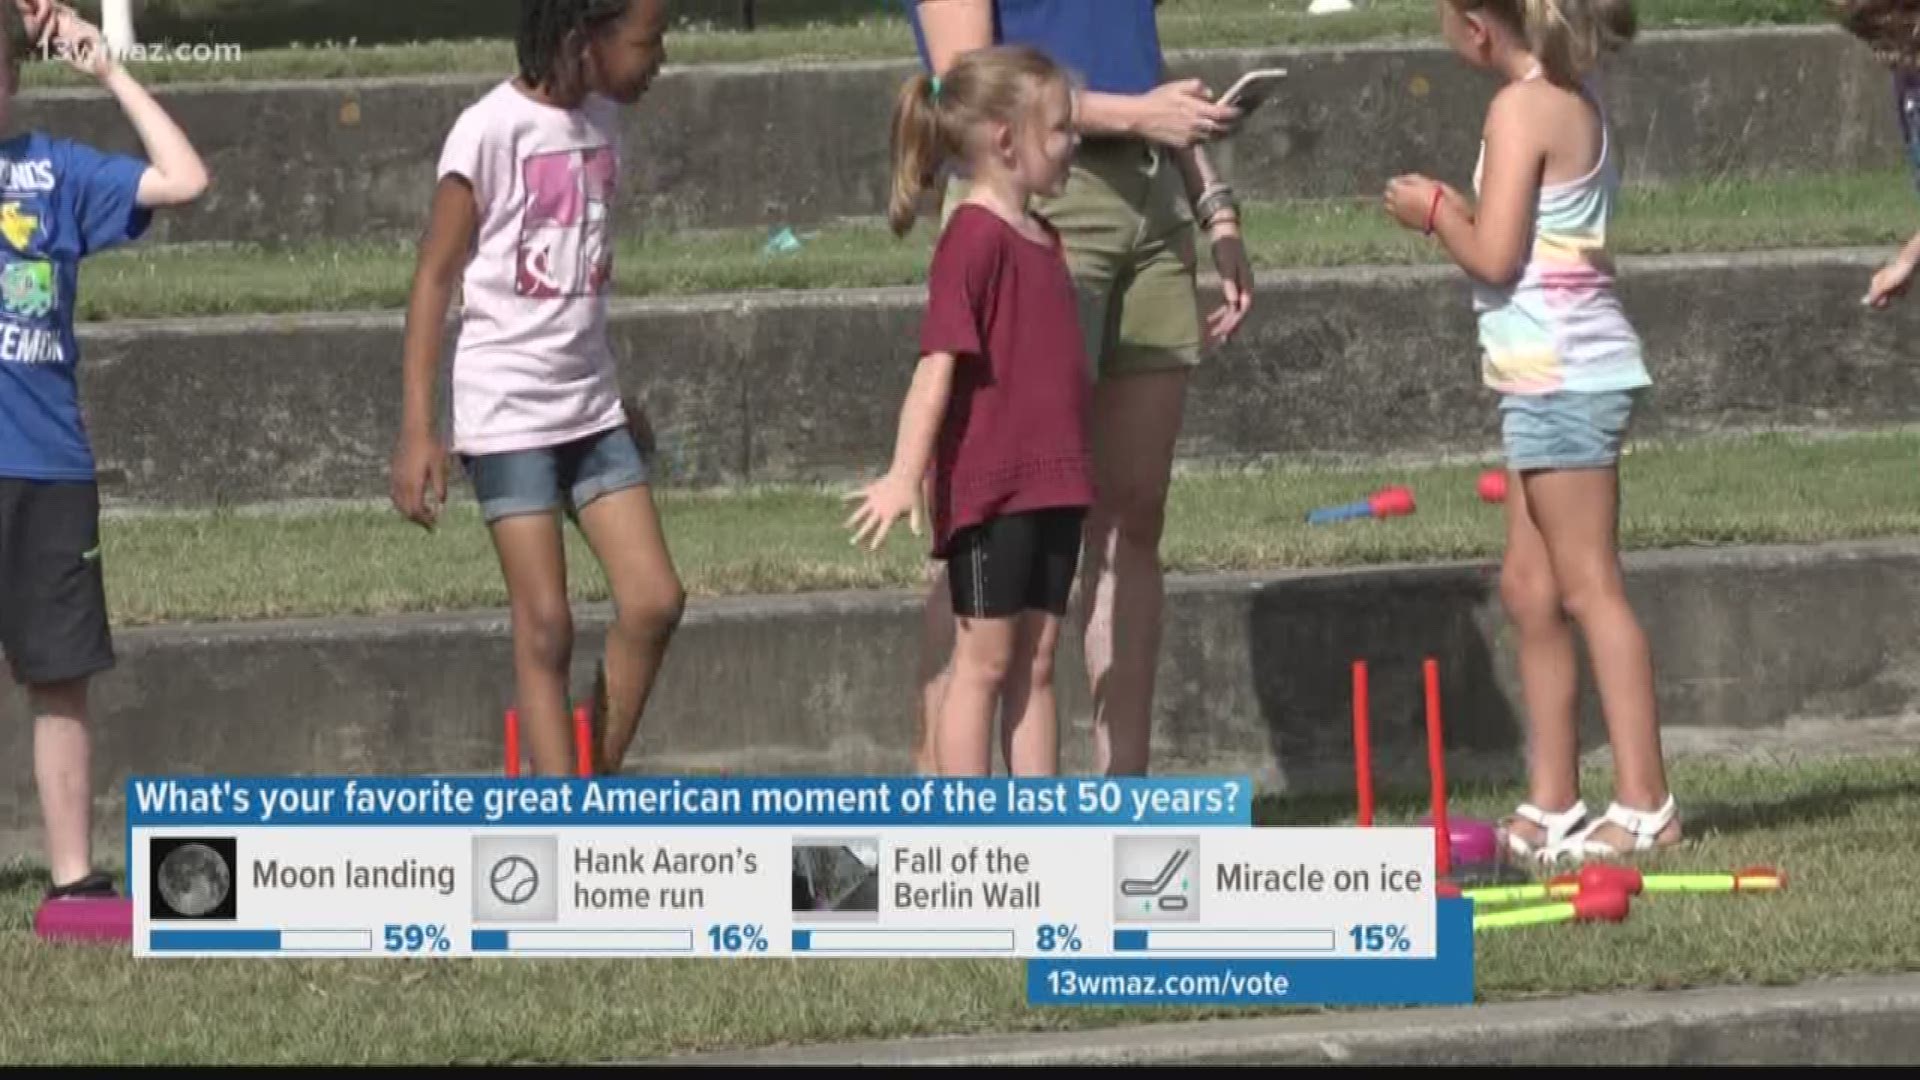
(1130, 242)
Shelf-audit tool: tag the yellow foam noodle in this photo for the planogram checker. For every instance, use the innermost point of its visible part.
(1526, 916)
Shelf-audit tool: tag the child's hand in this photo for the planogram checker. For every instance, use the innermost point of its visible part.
(882, 503)
(420, 479)
(1236, 284)
(80, 44)
(1890, 282)
(1409, 200)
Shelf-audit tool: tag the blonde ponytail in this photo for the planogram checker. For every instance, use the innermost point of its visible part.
(930, 126)
(918, 149)
(1568, 37)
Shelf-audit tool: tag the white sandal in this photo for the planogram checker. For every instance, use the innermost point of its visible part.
(1560, 829)
(1642, 826)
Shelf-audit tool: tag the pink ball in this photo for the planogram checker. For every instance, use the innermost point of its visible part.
(1493, 486)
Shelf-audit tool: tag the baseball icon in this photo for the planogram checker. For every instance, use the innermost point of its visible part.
(514, 880)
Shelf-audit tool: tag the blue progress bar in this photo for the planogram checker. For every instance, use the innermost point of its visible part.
(214, 941)
(1129, 941)
(489, 941)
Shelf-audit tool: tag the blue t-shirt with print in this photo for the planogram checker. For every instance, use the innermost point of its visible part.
(1114, 45)
(60, 202)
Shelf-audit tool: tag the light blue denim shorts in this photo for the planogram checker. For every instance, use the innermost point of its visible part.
(1566, 429)
(568, 476)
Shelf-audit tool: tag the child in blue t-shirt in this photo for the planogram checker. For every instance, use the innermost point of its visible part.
(61, 202)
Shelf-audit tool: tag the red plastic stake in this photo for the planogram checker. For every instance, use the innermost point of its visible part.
(582, 741)
(1362, 744)
(1437, 771)
(513, 742)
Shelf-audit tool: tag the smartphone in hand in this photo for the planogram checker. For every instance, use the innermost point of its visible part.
(1254, 89)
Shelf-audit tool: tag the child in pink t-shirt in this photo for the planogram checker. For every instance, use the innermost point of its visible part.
(522, 222)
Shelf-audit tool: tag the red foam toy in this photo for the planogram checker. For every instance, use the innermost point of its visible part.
(1396, 501)
(1602, 905)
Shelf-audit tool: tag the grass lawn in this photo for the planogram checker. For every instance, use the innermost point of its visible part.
(1727, 215)
(369, 38)
(250, 564)
(1833, 826)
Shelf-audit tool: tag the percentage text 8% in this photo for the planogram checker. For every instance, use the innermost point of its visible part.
(1064, 937)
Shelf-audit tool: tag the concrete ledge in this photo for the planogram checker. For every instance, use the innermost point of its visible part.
(1751, 644)
(799, 143)
(806, 386)
(1858, 1021)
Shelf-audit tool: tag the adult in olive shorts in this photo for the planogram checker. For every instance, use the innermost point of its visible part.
(1141, 183)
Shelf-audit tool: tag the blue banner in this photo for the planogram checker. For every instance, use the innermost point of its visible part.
(1447, 979)
(680, 802)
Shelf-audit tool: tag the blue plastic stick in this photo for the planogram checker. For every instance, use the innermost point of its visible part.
(1329, 514)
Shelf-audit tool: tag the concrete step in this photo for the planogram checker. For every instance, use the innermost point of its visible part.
(1754, 647)
(765, 144)
(803, 386)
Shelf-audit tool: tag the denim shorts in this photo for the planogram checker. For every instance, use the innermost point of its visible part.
(1565, 429)
(568, 476)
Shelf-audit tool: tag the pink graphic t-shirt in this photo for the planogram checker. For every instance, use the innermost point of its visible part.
(533, 367)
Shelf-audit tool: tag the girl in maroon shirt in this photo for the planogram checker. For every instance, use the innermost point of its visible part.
(998, 401)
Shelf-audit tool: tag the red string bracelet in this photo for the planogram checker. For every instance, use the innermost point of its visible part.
(1434, 210)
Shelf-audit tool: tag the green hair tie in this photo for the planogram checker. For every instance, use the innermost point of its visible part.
(936, 88)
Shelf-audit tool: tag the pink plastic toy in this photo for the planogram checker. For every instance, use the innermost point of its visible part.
(94, 919)
(1472, 842)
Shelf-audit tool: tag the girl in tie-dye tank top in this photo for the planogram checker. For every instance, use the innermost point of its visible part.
(1568, 367)
(1561, 327)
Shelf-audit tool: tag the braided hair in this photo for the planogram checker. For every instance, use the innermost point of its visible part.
(553, 35)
